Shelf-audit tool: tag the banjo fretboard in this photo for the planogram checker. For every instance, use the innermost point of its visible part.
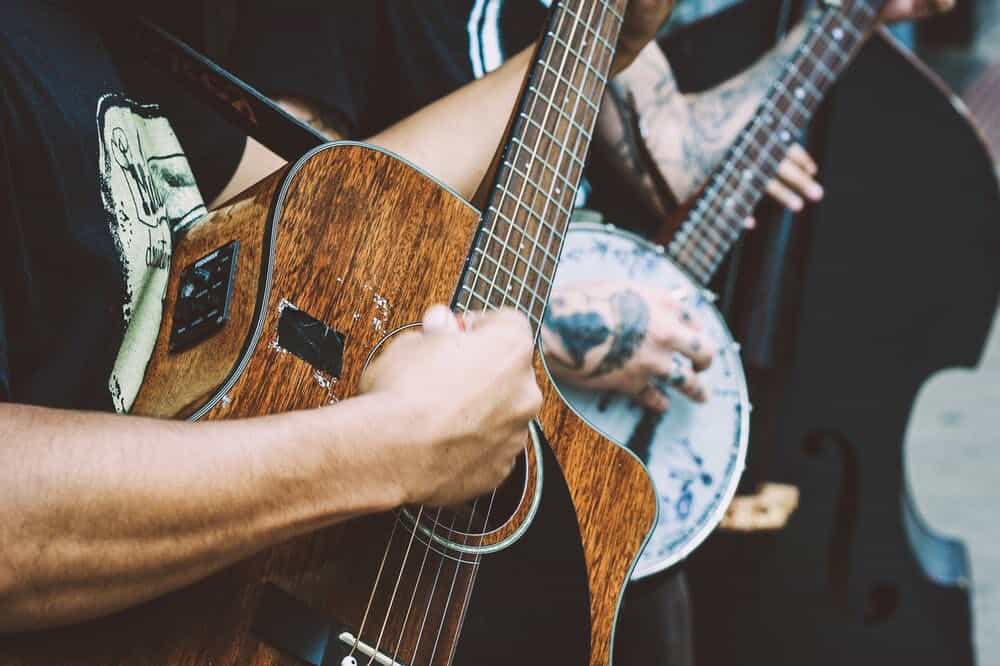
(715, 222)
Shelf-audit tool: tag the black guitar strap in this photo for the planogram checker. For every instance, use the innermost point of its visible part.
(236, 100)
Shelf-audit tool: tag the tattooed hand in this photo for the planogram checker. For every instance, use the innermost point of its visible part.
(622, 336)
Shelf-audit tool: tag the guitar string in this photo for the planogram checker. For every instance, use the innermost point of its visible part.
(489, 511)
(534, 154)
(585, 134)
(371, 597)
(698, 244)
(693, 230)
(590, 21)
(545, 61)
(409, 607)
(712, 254)
(558, 27)
(395, 587)
(723, 193)
(441, 560)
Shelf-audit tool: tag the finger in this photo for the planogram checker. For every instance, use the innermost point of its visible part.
(697, 348)
(439, 319)
(749, 223)
(784, 196)
(799, 156)
(687, 382)
(653, 399)
(798, 180)
(687, 323)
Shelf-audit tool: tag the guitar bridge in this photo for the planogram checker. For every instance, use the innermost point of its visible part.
(295, 629)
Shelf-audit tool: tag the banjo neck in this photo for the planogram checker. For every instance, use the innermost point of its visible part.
(513, 259)
(715, 222)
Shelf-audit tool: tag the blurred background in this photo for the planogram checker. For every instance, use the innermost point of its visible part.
(857, 578)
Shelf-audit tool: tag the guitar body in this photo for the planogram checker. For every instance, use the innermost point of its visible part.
(362, 242)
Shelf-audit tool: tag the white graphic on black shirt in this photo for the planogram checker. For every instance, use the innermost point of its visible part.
(150, 193)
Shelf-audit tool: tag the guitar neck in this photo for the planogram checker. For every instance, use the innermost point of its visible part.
(513, 259)
(715, 222)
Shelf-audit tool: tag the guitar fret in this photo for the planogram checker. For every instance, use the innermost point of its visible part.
(703, 239)
(545, 152)
(513, 275)
(512, 223)
(590, 29)
(555, 107)
(576, 54)
(541, 129)
(574, 158)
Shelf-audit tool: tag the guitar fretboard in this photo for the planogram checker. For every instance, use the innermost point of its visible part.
(716, 220)
(513, 259)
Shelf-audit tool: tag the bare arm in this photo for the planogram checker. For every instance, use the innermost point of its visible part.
(100, 512)
(686, 136)
(456, 137)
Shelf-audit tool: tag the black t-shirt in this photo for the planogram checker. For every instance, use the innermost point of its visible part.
(93, 185)
(370, 64)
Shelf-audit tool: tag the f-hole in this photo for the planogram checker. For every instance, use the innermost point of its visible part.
(845, 516)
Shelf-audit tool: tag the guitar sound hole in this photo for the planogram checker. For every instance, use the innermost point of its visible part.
(486, 513)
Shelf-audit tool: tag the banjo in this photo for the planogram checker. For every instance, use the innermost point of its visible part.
(696, 452)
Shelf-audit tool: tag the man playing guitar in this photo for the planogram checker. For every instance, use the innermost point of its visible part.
(104, 511)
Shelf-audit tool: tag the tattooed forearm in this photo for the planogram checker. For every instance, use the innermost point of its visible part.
(687, 135)
(632, 316)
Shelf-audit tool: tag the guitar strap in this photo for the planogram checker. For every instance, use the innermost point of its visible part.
(237, 101)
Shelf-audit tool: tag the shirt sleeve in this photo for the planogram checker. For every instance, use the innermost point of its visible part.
(317, 50)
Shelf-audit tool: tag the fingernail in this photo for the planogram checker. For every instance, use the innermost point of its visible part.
(438, 317)
(795, 204)
(816, 192)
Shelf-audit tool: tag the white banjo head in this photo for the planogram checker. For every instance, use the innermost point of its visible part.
(696, 452)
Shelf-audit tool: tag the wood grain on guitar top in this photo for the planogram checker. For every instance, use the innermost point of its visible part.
(364, 243)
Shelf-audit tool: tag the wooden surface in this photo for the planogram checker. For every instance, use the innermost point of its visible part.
(176, 383)
(365, 255)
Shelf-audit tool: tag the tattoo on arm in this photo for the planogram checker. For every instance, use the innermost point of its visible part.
(689, 134)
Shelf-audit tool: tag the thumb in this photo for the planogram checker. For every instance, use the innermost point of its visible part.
(439, 319)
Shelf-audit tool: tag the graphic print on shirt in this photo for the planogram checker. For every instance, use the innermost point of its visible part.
(150, 193)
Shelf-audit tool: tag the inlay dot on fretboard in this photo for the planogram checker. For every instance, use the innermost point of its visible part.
(800, 93)
(838, 34)
(786, 136)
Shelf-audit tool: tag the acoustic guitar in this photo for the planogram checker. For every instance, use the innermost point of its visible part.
(279, 300)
